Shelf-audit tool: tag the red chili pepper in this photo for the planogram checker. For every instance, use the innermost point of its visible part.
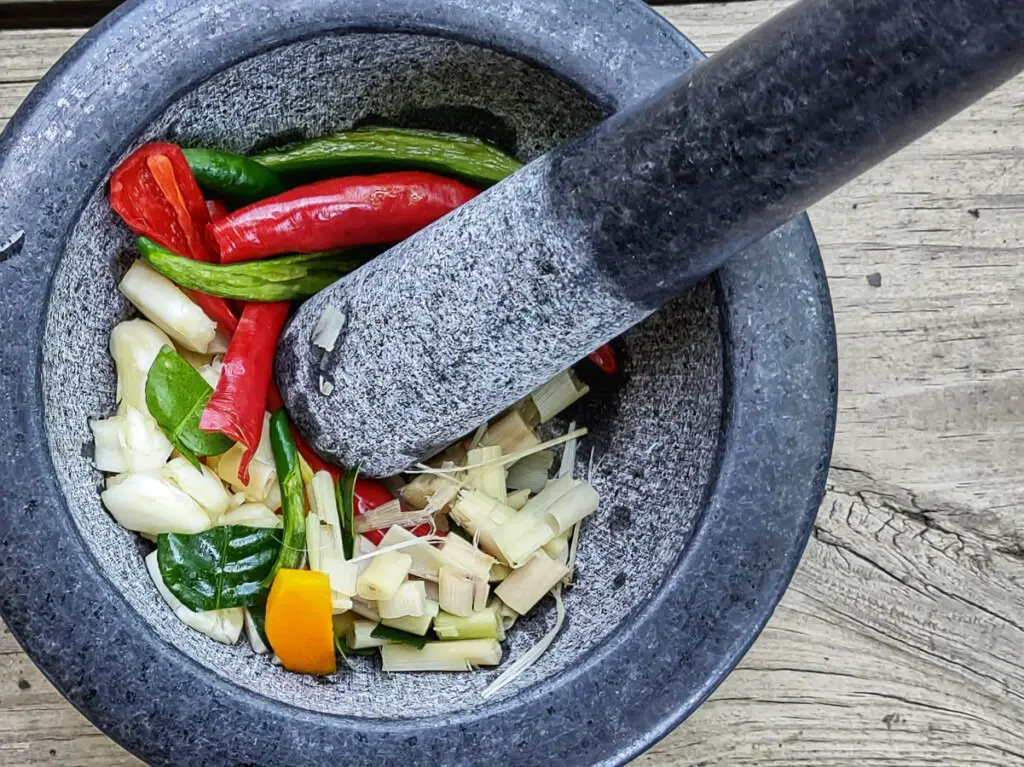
(339, 213)
(156, 194)
(604, 358)
(239, 401)
(216, 209)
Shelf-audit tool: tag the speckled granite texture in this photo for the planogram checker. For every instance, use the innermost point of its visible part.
(730, 430)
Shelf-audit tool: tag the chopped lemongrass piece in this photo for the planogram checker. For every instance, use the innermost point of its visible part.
(389, 514)
(409, 601)
(505, 460)
(430, 587)
(480, 515)
(460, 553)
(323, 502)
(344, 576)
(357, 635)
(202, 484)
(262, 476)
(558, 394)
(531, 527)
(211, 373)
(481, 593)
(463, 655)
(223, 625)
(482, 624)
(508, 615)
(195, 359)
(148, 503)
(446, 490)
(382, 579)
(417, 493)
(167, 306)
(219, 344)
(556, 546)
(134, 345)
(366, 610)
(328, 328)
(568, 464)
(518, 499)
(252, 633)
(131, 441)
(531, 656)
(250, 515)
(478, 436)
(511, 433)
(531, 473)
(456, 589)
(306, 470)
(313, 541)
(527, 586)
(426, 560)
(578, 503)
(489, 479)
(499, 572)
(418, 625)
(398, 636)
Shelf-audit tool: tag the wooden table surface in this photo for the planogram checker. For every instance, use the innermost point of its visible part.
(899, 641)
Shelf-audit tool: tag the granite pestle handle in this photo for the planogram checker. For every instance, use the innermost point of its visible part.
(458, 322)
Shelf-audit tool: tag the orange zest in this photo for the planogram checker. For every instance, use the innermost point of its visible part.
(299, 624)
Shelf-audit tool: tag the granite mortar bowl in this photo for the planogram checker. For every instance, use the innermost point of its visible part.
(710, 451)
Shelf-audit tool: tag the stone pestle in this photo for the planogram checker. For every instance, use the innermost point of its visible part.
(458, 322)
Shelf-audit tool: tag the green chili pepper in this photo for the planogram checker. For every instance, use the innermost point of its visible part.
(231, 175)
(446, 153)
(273, 279)
(293, 502)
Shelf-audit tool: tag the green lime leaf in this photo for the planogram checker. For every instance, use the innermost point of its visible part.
(220, 567)
(176, 395)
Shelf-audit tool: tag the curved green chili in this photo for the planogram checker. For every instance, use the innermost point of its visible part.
(227, 174)
(449, 154)
(276, 279)
(293, 499)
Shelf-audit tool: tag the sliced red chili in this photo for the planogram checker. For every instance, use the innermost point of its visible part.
(238, 403)
(339, 213)
(604, 358)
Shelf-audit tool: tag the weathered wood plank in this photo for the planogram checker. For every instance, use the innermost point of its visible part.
(898, 642)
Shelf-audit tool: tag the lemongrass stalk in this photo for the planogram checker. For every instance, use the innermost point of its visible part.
(505, 460)
(464, 655)
(250, 515)
(482, 624)
(262, 475)
(202, 484)
(572, 507)
(313, 541)
(426, 560)
(417, 492)
(418, 625)
(128, 442)
(558, 394)
(508, 615)
(489, 479)
(224, 626)
(460, 553)
(531, 527)
(148, 503)
(164, 303)
(531, 473)
(480, 515)
(366, 610)
(385, 575)
(568, 463)
(526, 586)
(433, 592)
(388, 515)
(455, 588)
(556, 546)
(518, 499)
(499, 572)
(511, 433)
(481, 593)
(323, 501)
(531, 656)
(357, 635)
(409, 601)
(134, 345)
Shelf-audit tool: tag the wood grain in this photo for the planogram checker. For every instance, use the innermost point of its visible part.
(899, 640)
